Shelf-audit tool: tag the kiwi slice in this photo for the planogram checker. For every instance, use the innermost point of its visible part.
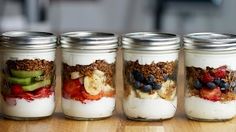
(26, 74)
(21, 81)
(36, 85)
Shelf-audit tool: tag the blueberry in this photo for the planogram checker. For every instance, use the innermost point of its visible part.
(197, 84)
(137, 84)
(137, 75)
(156, 86)
(150, 79)
(224, 85)
(217, 81)
(147, 88)
(211, 85)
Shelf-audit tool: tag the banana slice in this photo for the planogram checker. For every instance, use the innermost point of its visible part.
(75, 75)
(143, 95)
(93, 84)
(100, 74)
(168, 90)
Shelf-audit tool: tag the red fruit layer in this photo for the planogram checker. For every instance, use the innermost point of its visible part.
(211, 94)
(74, 89)
(16, 89)
(220, 72)
(206, 77)
(17, 92)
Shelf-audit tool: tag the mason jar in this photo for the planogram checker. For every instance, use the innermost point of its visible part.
(210, 76)
(150, 75)
(88, 90)
(27, 75)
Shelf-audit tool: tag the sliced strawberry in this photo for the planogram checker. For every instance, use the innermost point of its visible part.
(78, 97)
(206, 77)
(211, 94)
(42, 92)
(92, 97)
(220, 72)
(16, 89)
(27, 96)
(109, 93)
(72, 87)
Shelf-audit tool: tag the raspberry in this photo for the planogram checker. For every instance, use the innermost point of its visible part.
(16, 89)
(210, 94)
(207, 78)
(220, 72)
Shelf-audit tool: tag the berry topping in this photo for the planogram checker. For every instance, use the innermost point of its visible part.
(224, 85)
(147, 88)
(210, 94)
(217, 81)
(207, 78)
(156, 86)
(43, 92)
(197, 84)
(138, 76)
(220, 72)
(137, 84)
(72, 87)
(16, 89)
(211, 85)
(150, 79)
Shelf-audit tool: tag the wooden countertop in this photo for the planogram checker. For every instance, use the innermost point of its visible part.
(117, 122)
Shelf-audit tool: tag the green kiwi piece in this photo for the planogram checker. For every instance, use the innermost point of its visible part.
(36, 85)
(26, 74)
(21, 81)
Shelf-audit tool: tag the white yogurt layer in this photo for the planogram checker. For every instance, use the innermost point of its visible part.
(91, 109)
(48, 55)
(204, 109)
(41, 107)
(212, 60)
(81, 58)
(149, 108)
(149, 57)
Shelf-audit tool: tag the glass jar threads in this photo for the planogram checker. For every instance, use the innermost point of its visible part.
(150, 75)
(88, 59)
(210, 76)
(28, 75)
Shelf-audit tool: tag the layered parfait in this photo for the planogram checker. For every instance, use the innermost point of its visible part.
(150, 90)
(88, 90)
(27, 88)
(210, 93)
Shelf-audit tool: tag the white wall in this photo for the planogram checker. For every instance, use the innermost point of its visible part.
(101, 15)
(125, 16)
(215, 19)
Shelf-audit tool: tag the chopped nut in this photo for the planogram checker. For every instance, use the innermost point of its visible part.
(31, 65)
(99, 66)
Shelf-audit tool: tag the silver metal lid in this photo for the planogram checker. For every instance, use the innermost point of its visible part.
(210, 41)
(89, 40)
(150, 41)
(28, 40)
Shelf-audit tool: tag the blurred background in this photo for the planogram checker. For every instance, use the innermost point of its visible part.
(175, 16)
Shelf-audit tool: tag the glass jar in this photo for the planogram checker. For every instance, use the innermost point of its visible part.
(150, 75)
(210, 76)
(28, 75)
(88, 58)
